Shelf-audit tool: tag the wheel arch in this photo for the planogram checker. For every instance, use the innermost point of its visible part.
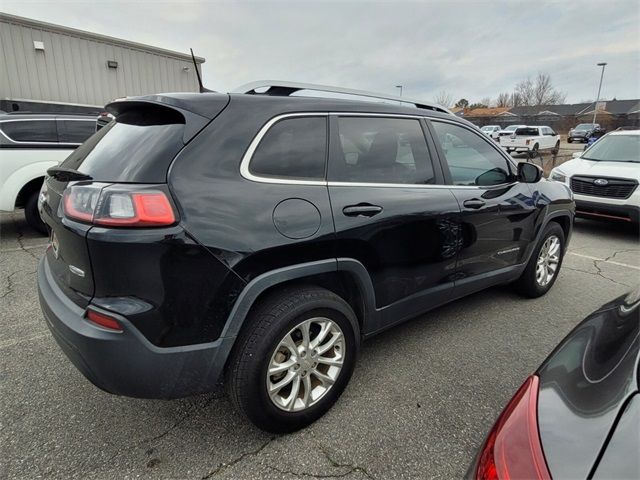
(347, 278)
(27, 190)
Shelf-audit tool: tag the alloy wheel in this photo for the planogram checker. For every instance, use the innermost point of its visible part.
(305, 364)
(548, 261)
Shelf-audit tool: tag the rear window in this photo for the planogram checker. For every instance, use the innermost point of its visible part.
(134, 148)
(527, 132)
(30, 130)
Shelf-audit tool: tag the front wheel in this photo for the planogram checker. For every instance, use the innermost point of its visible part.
(570, 140)
(545, 262)
(294, 359)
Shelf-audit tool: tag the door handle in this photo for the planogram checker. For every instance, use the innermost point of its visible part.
(474, 203)
(362, 209)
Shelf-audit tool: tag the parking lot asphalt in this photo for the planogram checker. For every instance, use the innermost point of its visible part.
(421, 399)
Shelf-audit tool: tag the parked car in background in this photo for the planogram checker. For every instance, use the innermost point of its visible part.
(581, 132)
(509, 130)
(531, 140)
(491, 131)
(578, 415)
(31, 143)
(605, 177)
(202, 238)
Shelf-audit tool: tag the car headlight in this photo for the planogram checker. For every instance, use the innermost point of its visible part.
(558, 176)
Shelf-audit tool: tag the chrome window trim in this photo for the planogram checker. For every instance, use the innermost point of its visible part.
(246, 158)
(20, 142)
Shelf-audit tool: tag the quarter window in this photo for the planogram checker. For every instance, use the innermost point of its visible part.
(381, 150)
(31, 130)
(471, 160)
(292, 148)
(75, 131)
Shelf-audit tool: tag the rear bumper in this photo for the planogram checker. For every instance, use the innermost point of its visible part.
(127, 363)
(604, 211)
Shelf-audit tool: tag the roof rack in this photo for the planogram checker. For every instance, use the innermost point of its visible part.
(285, 89)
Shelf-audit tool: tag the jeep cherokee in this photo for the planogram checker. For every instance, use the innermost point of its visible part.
(255, 239)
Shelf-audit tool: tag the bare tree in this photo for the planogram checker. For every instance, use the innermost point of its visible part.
(538, 92)
(525, 92)
(504, 100)
(516, 100)
(444, 98)
(486, 101)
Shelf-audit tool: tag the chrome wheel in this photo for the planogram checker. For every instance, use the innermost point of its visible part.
(305, 364)
(548, 261)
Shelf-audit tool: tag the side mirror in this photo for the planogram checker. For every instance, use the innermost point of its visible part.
(529, 173)
(576, 154)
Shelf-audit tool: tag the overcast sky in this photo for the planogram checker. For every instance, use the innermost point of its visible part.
(471, 49)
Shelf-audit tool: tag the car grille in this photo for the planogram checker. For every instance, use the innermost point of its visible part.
(615, 188)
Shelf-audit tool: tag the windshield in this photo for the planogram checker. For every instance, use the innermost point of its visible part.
(511, 128)
(584, 126)
(615, 148)
(486, 129)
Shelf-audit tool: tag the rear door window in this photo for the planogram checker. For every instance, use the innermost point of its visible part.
(33, 131)
(294, 148)
(381, 150)
(75, 131)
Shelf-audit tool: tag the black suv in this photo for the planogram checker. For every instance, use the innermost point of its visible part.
(258, 238)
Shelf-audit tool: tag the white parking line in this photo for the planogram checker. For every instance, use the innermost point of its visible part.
(626, 265)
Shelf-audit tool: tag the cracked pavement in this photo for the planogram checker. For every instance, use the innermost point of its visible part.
(421, 399)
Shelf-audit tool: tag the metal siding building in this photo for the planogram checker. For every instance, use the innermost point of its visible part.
(71, 66)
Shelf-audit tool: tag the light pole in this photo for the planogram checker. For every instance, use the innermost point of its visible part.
(595, 110)
(400, 87)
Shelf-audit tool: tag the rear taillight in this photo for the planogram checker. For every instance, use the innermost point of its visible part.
(103, 320)
(118, 205)
(513, 449)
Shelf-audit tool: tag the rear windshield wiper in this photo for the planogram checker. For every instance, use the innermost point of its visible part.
(67, 174)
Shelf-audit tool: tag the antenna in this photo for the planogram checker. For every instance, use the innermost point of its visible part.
(195, 65)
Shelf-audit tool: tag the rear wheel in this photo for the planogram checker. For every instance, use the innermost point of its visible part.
(545, 262)
(32, 215)
(294, 360)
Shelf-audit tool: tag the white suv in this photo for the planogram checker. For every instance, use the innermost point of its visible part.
(29, 145)
(605, 177)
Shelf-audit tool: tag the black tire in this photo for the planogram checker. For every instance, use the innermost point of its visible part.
(527, 284)
(32, 215)
(570, 140)
(556, 149)
(268, 323)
